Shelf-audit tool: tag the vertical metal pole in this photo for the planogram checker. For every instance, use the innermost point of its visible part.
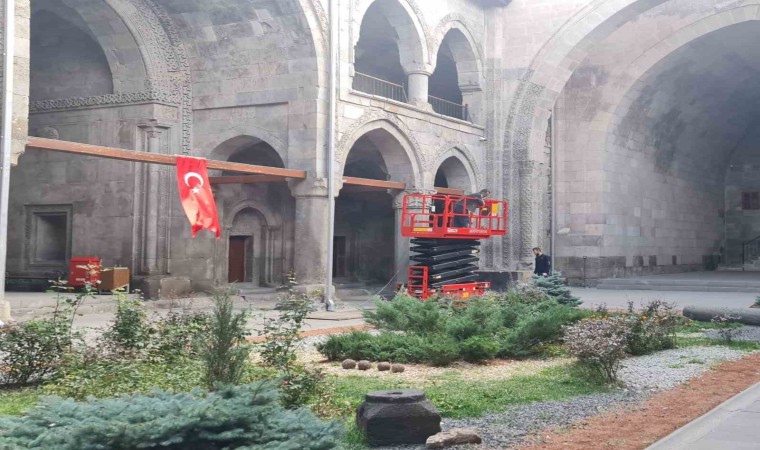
(5, 142)
(334, 29)
(554, 172)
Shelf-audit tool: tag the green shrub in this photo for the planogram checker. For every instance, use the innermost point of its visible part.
(556, 287)
(231, 418)
(108, 377)
(31, 351)
(301, 385)
(478, 348)
(653, 329)
(395, 347)
(225, 354)
(600, 343)
(282, 333)
(129, 330)
(543, 326)
(405, 313)
(178, 334)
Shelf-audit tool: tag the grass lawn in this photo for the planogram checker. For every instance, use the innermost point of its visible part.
(15, 401)
(456, 397)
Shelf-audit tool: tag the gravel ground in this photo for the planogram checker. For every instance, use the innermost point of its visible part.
(642, 376)
(745, 333)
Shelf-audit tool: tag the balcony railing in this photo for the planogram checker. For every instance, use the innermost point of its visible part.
(450, 109)
(381, 88)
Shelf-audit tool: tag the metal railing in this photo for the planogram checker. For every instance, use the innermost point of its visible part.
(381, 88)
(750, 251)
(450, 109)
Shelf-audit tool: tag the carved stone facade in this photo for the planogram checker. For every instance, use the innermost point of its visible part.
(249, 84)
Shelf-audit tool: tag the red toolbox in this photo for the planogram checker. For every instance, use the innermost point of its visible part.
(84, 269)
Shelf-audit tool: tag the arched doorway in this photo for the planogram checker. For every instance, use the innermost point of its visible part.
(257, 217)
(366, 236)
(247, 258)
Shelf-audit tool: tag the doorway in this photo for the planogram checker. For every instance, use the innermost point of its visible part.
(239, 251)
(339, 257)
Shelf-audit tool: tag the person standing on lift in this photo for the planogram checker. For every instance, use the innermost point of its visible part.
(465, 207)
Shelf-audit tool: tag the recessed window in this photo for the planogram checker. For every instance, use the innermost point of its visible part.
(750, 200)
(48, 235)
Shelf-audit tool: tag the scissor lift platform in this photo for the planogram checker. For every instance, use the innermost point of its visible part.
(446, 232)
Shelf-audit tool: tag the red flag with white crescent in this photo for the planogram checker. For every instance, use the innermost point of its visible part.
(196, 196)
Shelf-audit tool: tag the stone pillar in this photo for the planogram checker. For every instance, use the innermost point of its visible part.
(151, 230)
(310, 232)
(525, 171)
(418, 89)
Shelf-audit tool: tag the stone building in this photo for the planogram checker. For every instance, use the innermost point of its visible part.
(622, 132)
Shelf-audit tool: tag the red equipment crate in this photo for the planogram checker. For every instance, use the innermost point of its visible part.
(84, 269)
(434, 216)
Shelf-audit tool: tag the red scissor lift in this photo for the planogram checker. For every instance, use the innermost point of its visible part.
(446, 231)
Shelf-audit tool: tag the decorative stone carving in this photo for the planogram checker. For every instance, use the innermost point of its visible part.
(349, 136)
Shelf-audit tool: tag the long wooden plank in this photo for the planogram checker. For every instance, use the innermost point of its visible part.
(448, 191)
(155, 158)
(246, 179)
(395, 185)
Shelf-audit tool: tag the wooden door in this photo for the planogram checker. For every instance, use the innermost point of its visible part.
(236, 263)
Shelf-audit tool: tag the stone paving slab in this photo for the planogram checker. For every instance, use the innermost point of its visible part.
(732, 425)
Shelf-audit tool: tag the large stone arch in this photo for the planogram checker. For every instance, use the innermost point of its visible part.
(232, 140)
(466, 49)
(408, 21)
(468, 160)
(136, 26)
(405, 151)
(463, 170)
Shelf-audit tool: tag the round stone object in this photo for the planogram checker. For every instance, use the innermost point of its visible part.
(397, 368)
(397, 418)
(349, 364)
(383, 366)
(364, 365)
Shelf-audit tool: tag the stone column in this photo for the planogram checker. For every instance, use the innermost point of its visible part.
(525, 171)
(151, 230)
(310, 232)
(418, 89)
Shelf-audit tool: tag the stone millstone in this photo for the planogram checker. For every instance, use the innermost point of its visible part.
(455, 436)
(349, 364)
(397, 417)
(384, 366)
(364, 365)
(397, 368)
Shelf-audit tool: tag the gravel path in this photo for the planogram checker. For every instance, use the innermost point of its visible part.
(641, 376)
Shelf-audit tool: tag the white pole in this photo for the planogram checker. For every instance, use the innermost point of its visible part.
(5, 143)
(333, 86)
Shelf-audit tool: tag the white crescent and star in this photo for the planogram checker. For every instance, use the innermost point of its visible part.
(191, 175)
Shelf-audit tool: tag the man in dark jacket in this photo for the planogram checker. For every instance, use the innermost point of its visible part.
(474, 202)
(543, 266)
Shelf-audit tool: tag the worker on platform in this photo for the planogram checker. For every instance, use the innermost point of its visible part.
(467, 206)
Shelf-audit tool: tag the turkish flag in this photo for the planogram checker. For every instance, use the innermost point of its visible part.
(196, 196)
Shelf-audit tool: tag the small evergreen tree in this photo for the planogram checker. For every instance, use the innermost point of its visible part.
(555, 286)
(225, 354)
(234, 417)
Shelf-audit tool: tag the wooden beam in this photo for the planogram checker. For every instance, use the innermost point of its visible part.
(379, 184)
(448, 191)
(247, 179)
(154, 158)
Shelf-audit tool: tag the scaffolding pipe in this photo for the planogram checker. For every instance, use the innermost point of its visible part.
(5, 142)
(333, 86)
